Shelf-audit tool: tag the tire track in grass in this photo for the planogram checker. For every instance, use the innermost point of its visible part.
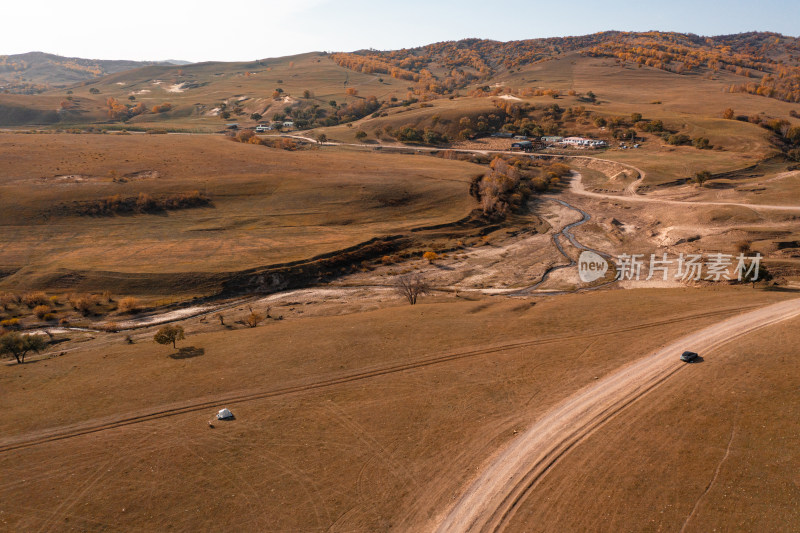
(24, 441)
(492, 498)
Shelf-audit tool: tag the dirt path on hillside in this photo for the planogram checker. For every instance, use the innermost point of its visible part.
(493, 497)
(576, 187)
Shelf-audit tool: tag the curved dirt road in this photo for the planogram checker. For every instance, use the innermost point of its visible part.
(630, 195)
(576, 186)
(493, 497)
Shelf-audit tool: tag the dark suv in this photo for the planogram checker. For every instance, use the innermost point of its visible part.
(688, 357)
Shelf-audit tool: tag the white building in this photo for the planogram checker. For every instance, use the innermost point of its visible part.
(583, 142)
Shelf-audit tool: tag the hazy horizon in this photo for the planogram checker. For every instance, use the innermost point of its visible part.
(201, 31)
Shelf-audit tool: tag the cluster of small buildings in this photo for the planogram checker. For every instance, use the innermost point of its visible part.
(521, 142)
(583, 142)
(579, 142)
(285, 125)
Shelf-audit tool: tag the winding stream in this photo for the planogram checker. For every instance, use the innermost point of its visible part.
(566, 232)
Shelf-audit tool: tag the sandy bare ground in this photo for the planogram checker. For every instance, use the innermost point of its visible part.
(576, 187)
(783, 175)
(492, 498)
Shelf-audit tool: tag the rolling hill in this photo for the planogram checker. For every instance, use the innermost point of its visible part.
(769, 58)
(390, 301)
(682, 80)
(37, 71)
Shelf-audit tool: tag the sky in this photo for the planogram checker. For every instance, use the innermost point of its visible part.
(203, 30)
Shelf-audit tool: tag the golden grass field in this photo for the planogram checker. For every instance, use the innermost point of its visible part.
(354, 410)
(383, 452)
(709, 450)
(269, 206)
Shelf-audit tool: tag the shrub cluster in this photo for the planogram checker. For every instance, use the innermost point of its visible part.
(510, 181)
(144, 203)
(33, 299)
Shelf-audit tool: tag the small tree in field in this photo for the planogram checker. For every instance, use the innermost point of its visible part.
(430, 256)
(83, 304)
(361, 135)
(411, 287)
(129, 305)
(743, 247)
(7, 300)
(753, 275)
(18, 346)
(169, 334)
(702, 177)
(253, 319)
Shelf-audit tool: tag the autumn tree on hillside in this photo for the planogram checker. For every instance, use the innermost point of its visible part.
(116, 110)
(253, 319)
(138, 109)
(728, 114)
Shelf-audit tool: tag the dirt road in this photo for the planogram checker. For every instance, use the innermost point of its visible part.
(493, 497)
(576, 186)
(630, 195)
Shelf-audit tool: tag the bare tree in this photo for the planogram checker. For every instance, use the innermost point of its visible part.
(411, 286)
